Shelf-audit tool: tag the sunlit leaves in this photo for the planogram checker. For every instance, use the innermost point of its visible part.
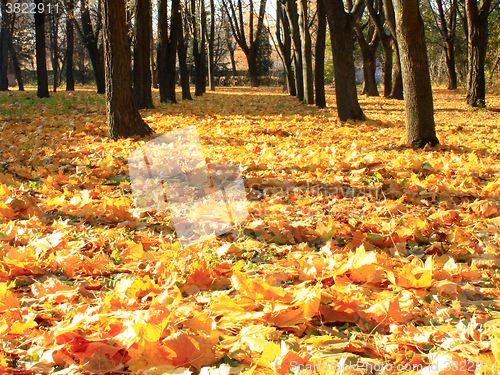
(357, 247)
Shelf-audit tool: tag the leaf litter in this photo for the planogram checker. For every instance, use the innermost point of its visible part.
(359, 253)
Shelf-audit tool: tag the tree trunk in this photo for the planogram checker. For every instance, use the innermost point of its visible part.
(293, 21)
(162, 49)
(54, 55)
(252, 69)
(369, 70)
(4, 48)
(123, 117)
(91, 43)
(305, 40)
(175, 28)
(70, 79)
(420, 128)
(397, 78)
(15, 61)
(450, 64)
(378, 19)
(142, 72)
(341, 26)
(369, 55)
(388, 56)
(199, 27)
(41, 64)
(154, 70)
(211, 49)
(186, 93)
(478, 39)
(285, 46)
(319, 69)
(240, 33)
(447, 33)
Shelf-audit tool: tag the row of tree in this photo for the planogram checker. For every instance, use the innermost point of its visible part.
(190, 30)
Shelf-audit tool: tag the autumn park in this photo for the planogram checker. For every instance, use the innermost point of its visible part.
(249, 187)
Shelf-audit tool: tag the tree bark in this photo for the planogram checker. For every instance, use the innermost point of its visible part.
(477, 19)
(369, 54)
(450, 64)
(253, 72)
(90, 40)
(162, 49)
(198, 21)
(388, 56)
(341, 26)
(447, 33)
(378, 18)
(15, 61)
(397, 79)
(211, 51)
(54, 48)
(305, 40)
(420, 127)
(41, 64)
(70, 79)
(166, 53)
(153, 67)
(123, 117)
(175, 28)
(319, 69)
(293, 21)
(184, 72)
(4, 48)
(142, 72)
(285, 47)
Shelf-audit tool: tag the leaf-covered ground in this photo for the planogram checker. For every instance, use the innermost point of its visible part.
(358, 252)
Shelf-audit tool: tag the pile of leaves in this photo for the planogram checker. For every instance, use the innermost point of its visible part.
(359, 255)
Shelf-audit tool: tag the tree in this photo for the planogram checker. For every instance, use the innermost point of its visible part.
(477, 20)
(166, 50)
(123, 117)
(54, 46)
(378, 18)
(341, 26)
(70, 79)
(90, 39)
(420, 127)
(293, 21)
(142, 72)
(4, 58)
(447, 31)
(305, 40)
(319, 69)
(41, 63)
(369, 53)
(239, 32)
(198, 23)
(182, 53)
(13, 55)
(211, 48)
(284, 42)
(397, 80)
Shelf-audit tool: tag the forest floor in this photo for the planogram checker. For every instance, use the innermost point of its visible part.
(358, 252)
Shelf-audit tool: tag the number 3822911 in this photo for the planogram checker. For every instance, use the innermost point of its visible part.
(31, 8)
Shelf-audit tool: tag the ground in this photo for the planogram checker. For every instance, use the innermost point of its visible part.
(358, 252)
